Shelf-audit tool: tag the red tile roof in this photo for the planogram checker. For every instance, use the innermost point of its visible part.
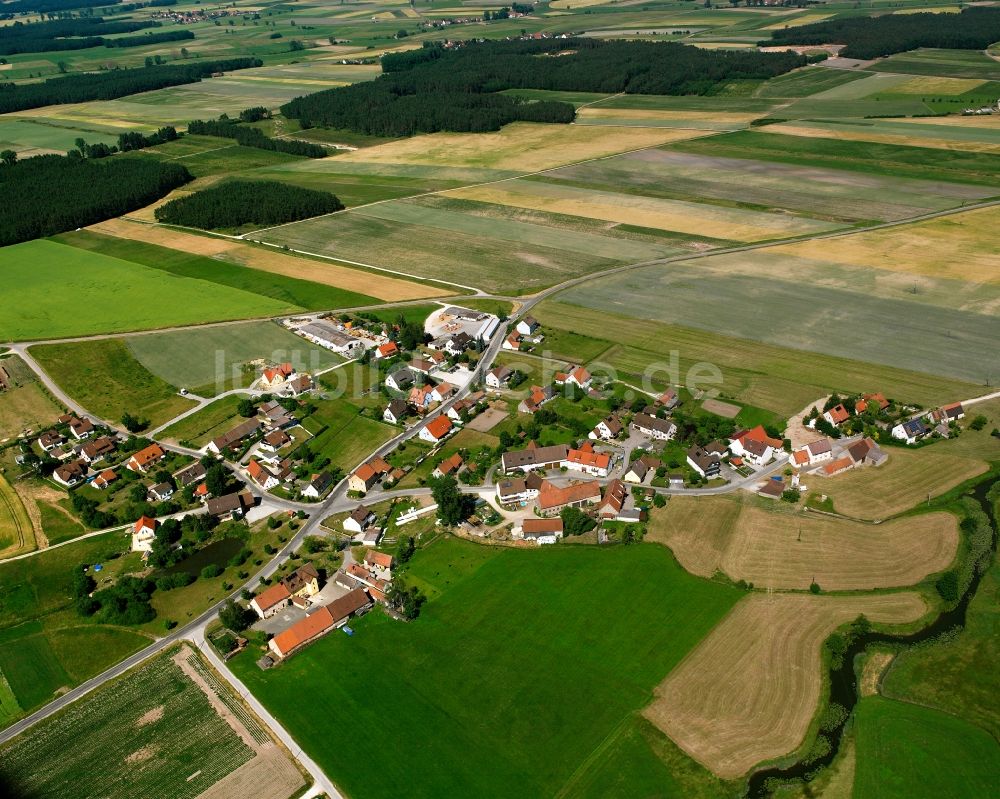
(376, 558)
(147, 455)
(439, 426)
(589, 458)
(542, 526)
(270, 597)
(144, 521)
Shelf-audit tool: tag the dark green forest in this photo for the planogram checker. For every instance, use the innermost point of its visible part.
(51, 194)
(874, 37)
(458, 89)
(111, 84)
(238, 202)
(65, 34)
(8, 10)
(253, 137)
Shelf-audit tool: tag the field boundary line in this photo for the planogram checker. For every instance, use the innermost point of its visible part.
(596, 752)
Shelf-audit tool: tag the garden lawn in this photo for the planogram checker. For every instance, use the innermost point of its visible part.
(508, 682)
(213, 420)
(347, 437)
(906, 750)
(51, 290)
(106, 380)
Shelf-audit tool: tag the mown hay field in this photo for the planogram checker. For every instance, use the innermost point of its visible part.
(16, 533)
(780, 379)
(947, 63)
(71, 295)
(27, 405)
(781, 548)
(908, 478)
(748, 692)
(383, 287)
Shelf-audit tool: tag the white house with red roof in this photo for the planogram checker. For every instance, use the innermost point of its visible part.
(437, 429)
(273, 376)
(837, 415)
(386, 350)
(144, 534)
(755, 446)
(587, 461)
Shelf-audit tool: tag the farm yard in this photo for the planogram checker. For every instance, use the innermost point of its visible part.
(541, 605)
(748, 692)
(168, 728)
(775, 548)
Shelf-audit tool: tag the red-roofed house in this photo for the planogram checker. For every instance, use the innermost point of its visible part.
(386, 350)
(261, 476)
(838, 414)
(276, 375)
(755, 445)
(542, 531)
(329, 617)
(437, 429)
(271, 600)
(145, 458)
(452, 465)
(588, 461)
(838, 466)
(143, 534)
(551, 499)
(379, 563)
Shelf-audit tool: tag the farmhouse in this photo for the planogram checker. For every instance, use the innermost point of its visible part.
(97, 449)
(144, 534)
(499, 377)
(537, 397)
(659, 429)
(517, 490)
(379, 564)
(911, 431)
(359, 520)
(707, 464)
(274, 376)
(437, 429)
(587, 461)
(69, 474)
(615, 496)
(608, 429)
(552, 499)
(318, 485)
(49, 440)
(534, 457)
(233, 437)
(331, 337)
(948, 413)
(387, 350)
(452, 465)
(271, 600)
(527, 326)
(303, 582)
(357, 576)
(189, 474)
(232, 505)
(395, 411)
(837, 415)
(367, 475)
(813, 453)
(329, 617)
(541, 531)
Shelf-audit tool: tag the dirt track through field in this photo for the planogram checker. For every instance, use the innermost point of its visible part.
(748, 692)
(389, 289)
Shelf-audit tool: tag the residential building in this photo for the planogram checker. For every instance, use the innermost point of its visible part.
(379, 563)
(527, 326)
(437, 429)
(512, 342)
(161, 492)
(587, 461)
(70, 474)
(400, 379)
(368, 475)
(80, 428)
(421, 397)
(298, 385)
(318, 485)
(910, 431)
(655, 428)
(303, 582)
(537, 397)
(516, 490)
(387, 350)
(534, 457)
(707, 464)
(837, 415)
(868, 400)
(275, 440)
(442, 392)
(395, 411)
(607, 430)
(754, 445)
(274, 376)
(144, 534)
(231, 505)
(235, 436)
(359, 520)
(615, 496)
(262, 476)
(316, 624)
(271, 600)
(50, 439)
(145, 459)
(104, 479)
(189, 474)
(499, 377)
(97, 449)
(552, 499)
(542, 531)
(452, 466)
(636, 472)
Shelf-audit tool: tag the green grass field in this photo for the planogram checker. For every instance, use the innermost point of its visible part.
(209, 360)
(211, 421)
(347, 437)
(15, 527)
(80, 293)
(57, 524)
(514, 678)
(106, 379)
(906, 750)
(184, 747)
(294, 293)
(948, 63)
(26, 405)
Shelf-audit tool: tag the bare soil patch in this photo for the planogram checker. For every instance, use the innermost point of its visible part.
(141, 755)
(487, 420)
(748, 692)
(148, 718)
(720, 408)
(797, 432)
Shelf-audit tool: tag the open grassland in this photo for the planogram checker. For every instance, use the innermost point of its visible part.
(16, 534)
(957, 674)
(807, 81)
(749, 691)
(906, 750)
(521, 146)
(210, 359)
(656, 213)
(80, 293)
(947, 63)
(168, 728)
(303, 294)
(28, 137)
(27, 405)
(906, 480)
(956, 248)
(343, 435)
(776, 378)
(354, 281)
(518, 613)
(105, 378)
(775, 547)
(801, 303)
(821, 192)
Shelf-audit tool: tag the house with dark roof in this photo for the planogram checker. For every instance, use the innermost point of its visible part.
(707, 464)
(318, 485)
(395, 412)
(910, 431)
(654, 427)
(70, 474)
(534, 458)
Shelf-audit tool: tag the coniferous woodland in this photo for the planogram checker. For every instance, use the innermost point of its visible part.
(9, 9)
(432, 89)
(111, 84)
(77, 33)
(975, 28)
(237, 203)
(51, 194)
(253, 137)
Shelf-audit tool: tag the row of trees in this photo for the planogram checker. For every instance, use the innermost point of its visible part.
(111, 84)
(975, 28)
(76, 33)
(434, 89)
(243, 202)
(51, 194)
(149, 38)
(254, 137)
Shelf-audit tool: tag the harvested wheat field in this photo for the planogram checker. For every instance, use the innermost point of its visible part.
(789, 550)
(880, 136)
(521, 146)
(697, 530)
(958, 246)
(748, 692)
(906, 480)
(386, 288)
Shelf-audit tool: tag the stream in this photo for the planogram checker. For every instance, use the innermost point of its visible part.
(843, 680)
